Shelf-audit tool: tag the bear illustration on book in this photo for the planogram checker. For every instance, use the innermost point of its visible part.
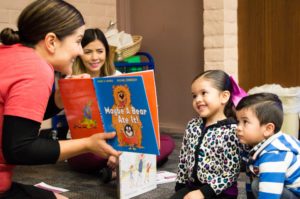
(126, 119)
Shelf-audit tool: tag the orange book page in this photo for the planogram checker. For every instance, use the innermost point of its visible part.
(150, 87)
(81, 107)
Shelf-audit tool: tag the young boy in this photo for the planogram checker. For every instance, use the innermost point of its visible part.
(274, 160)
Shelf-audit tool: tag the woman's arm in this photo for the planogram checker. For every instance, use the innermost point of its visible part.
(21, 144)
(95, 144)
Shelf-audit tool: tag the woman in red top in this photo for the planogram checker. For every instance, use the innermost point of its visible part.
(48, 39)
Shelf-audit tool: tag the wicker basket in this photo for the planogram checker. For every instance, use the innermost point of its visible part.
(131, 50)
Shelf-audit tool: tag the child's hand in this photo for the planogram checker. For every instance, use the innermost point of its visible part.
(112, 162)
(197, 194)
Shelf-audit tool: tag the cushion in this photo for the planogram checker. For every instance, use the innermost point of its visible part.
(167, 146)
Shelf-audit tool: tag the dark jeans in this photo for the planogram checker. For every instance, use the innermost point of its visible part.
(182, 192)
(286, 194)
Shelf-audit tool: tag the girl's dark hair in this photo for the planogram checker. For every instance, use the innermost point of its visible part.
(266, 106)
(42, 17)
(91, 35)
(222, 82)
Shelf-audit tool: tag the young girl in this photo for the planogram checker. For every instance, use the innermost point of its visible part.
(209, 160)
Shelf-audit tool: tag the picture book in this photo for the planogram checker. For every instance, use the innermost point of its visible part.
(136, 174)
(119, 104)
(124, 109)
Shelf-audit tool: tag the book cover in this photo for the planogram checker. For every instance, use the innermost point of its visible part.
(81, 107)
(150, 87)
(124, 109)
(136, 173)
(84, 116)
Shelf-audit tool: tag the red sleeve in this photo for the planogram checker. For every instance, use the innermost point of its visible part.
(29, 91)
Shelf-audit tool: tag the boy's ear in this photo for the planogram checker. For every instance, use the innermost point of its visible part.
(269, 129)
(225, 96)
(50, 42)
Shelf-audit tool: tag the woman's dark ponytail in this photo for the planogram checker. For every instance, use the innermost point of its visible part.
(9, 37)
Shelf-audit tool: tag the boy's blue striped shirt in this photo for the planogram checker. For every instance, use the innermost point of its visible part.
(278, 164)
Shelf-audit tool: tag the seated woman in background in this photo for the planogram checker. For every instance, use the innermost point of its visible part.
(96, 60)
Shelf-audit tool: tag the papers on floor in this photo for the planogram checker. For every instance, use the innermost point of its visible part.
(165, 177)
(45, 186)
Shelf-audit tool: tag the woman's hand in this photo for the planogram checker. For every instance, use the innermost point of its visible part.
(97, 145)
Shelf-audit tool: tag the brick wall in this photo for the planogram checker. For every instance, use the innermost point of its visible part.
(220, 35)
(97, 13)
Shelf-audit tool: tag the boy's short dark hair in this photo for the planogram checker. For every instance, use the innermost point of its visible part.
(266, 106)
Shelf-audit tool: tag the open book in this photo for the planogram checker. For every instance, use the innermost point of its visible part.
(125, 104)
